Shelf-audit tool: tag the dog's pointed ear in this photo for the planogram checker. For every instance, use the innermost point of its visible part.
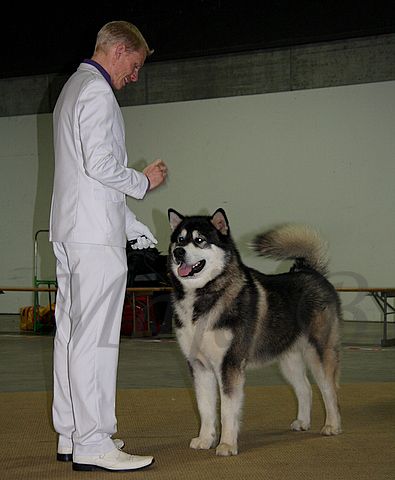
(220, 221)
(175, 218)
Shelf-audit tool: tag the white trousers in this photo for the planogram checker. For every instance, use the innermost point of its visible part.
(91, 290)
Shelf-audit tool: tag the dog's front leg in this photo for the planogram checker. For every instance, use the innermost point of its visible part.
(232, 396)
(206, 396)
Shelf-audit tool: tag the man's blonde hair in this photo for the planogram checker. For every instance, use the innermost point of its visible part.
(120, 31)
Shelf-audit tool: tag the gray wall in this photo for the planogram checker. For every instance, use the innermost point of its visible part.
(348, 62)
(302, 134)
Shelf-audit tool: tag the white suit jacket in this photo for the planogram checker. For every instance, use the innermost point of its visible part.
(91, 176)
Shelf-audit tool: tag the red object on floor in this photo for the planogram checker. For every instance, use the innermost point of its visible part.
(140, 319)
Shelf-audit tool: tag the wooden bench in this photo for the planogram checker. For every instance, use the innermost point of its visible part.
(130, 296)
(380, 295)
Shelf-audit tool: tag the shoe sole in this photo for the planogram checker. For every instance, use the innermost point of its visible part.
(85, 467)
(64, 457)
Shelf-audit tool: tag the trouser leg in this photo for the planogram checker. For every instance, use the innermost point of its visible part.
(62, 411)
(97, 280)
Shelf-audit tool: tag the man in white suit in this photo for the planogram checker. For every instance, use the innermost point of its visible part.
(89, 226)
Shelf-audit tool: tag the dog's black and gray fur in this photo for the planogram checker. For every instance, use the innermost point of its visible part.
(229, 316)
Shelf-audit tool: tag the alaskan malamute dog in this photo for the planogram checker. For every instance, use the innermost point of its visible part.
(229, 316)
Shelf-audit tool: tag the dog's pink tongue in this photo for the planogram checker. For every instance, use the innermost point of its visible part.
(184, 270)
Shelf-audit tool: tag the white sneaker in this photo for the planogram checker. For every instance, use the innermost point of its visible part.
(65, 454)
(114, 461)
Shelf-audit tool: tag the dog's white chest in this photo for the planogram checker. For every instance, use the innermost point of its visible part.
(198, 339)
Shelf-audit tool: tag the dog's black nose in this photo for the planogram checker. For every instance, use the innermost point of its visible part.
(179, 254)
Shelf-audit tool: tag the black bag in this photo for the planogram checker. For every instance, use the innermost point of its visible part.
(146, 268)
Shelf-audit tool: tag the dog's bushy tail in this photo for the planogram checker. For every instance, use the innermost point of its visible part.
(298, 242)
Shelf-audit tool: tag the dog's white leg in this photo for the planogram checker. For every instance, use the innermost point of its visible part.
(293, 368)
(206, 396)
(231, 406)
(325, 374)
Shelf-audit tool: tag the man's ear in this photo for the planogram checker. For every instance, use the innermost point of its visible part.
(220, 221)
(120, 48)
(175, 218)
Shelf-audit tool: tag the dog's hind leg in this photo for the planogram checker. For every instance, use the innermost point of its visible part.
(232, 396)
(293, 368)
(325, 371)
(206, 395)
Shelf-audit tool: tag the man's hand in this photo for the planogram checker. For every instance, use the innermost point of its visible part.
(141, 243)
(140, 236)
(156, 173)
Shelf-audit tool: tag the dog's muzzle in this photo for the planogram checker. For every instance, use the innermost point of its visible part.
(179, 254)
(185, 269)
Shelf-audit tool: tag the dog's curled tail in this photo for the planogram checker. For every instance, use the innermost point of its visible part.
(298, 242)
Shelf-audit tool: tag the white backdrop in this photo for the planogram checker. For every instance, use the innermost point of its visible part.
(323, 157)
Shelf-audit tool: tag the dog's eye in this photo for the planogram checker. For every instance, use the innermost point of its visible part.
(181, 239)
(199, 240)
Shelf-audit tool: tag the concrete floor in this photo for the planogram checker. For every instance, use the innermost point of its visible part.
(156, 362)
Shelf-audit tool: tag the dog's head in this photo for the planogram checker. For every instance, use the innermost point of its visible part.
(198, 247)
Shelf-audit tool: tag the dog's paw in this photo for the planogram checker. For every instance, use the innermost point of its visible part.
(300, 426)
(329, 430)
(226, 450)
(200, 443)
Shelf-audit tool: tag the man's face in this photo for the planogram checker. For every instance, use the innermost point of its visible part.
(127, 67)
